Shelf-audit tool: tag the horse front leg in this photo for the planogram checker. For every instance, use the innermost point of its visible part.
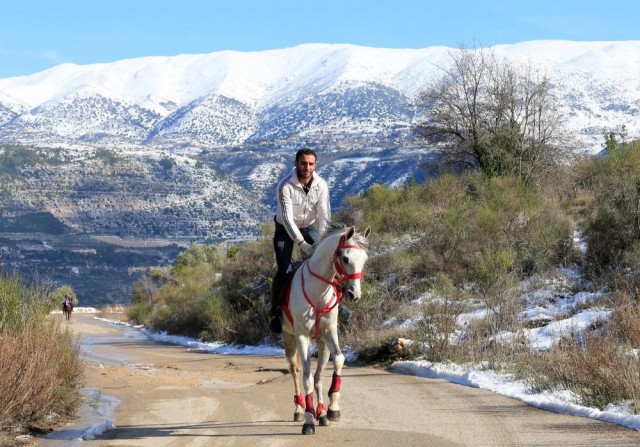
(303, 343)
(323, 359)
(333, 414)
(291, 354)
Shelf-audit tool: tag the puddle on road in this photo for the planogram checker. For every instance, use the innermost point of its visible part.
(104, 348)
(95, 417)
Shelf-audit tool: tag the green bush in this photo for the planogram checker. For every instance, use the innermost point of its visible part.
(612, 225)
(201, 254)
(209, 293)
(454, 219)
(20, 306)
(140, 313)
(439, 322)
(216, 316)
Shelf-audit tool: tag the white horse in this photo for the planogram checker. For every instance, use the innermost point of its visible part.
(311, 313)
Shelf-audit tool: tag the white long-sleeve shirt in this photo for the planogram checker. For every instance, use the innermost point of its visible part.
(296, 209)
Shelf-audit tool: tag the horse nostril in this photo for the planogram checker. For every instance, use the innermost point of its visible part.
(351, 294)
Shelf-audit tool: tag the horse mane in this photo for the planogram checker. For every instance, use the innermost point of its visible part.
(339, 228)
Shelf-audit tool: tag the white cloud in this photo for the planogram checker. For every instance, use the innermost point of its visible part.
(51, 55)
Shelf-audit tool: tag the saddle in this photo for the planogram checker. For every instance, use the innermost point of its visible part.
(283, 293)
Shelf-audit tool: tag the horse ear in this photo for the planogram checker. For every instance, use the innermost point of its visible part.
(350, 233)
(367, 232)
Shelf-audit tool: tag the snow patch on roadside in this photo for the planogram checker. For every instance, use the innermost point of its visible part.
(505, 384)
(198, 345)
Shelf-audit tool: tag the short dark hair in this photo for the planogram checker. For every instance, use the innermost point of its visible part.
(305, 151)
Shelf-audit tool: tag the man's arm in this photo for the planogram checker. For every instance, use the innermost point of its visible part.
(286, 206)
(324, 209)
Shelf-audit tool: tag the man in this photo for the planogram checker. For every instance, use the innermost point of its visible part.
(67, 300)
(302, 202)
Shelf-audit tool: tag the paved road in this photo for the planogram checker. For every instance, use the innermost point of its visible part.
(174, 397)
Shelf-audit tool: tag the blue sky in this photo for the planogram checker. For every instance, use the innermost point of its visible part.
(38, 34)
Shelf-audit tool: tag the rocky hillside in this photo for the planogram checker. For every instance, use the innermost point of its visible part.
(96, 219)
(135, 195)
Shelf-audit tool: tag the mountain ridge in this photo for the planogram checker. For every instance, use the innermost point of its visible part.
(232, 97)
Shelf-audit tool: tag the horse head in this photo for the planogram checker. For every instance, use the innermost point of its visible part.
(349, 259)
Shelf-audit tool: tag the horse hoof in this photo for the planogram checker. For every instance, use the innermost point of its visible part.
(308, 429)
(298, 417)
(333, 415)
(323, 421)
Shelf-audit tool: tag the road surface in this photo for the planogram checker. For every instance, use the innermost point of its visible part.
(170, 396)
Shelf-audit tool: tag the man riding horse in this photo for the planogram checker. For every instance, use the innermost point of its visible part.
(302, 201)
(67, 306)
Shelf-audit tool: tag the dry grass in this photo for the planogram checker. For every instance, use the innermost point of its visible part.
(595, 369)
(38, 377)
(625, 318)
(40, 370)
(365, 334)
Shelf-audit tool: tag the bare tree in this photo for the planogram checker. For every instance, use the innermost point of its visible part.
(486, 113)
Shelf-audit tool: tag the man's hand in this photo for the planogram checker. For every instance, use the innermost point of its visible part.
(306, 249)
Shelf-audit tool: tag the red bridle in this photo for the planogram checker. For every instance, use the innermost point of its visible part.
(342, 277)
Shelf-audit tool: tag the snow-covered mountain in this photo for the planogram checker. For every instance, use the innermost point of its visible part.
(229, 98)
(189, 148)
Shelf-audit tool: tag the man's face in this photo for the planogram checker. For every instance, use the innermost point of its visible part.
(305, 166)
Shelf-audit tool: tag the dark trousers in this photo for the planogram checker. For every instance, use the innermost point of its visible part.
(283, 247)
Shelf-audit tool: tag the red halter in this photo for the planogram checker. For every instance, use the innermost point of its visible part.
(339, 267)
(338, 278)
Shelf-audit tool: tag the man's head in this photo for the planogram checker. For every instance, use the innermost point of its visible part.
(305, 151)
(305, 164)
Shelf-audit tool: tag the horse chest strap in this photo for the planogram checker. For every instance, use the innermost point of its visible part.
(333, 301)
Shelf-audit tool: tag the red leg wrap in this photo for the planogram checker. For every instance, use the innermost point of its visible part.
(309, 405)
(298, 400)
(321, 408)
(335, 384)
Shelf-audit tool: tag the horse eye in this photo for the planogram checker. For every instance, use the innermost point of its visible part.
(345, 259)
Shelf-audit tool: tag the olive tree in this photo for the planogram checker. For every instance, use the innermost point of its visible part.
(484, 112)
